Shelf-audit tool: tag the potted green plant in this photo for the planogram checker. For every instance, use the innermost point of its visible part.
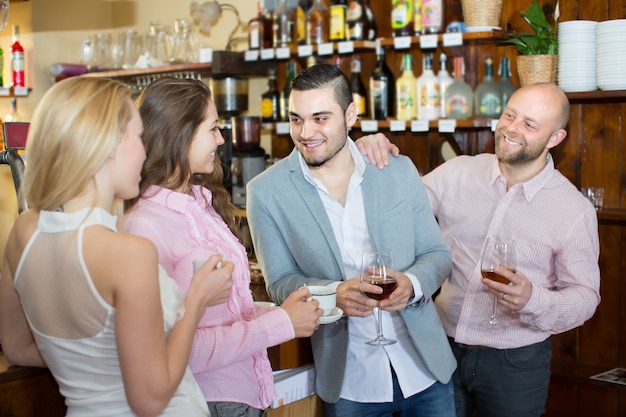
(538, 51)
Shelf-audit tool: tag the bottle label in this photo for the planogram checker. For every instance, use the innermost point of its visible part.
(337, 23)
(457, 104)
(401, 13)
(490, 105)
(254, 35)
(316, 31)
(355, 11)
(431, 14)
(379, 104)
(406, 102)
(430, 96)
(359, 102)
(267, 108)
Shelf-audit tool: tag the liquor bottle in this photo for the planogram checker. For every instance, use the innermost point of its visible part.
(406, 91)
(505, 84)
(459, 96)
(444, 81)
(357, 22)
(428, 96)
(255, 28)
(17, 59)
(270, 100)
(13, 116)
(432, 16)
(284, 94)
(417, 18)
(359, 94)
(283, 25)
(382, 87)
(488, 96)
(373, 26)
(301, 11)
(1, 69)
(317, 23)
(337, 26)
(402, 17)
(267, 22)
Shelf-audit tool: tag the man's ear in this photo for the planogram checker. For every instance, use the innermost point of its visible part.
(556, 138)
(351, 115)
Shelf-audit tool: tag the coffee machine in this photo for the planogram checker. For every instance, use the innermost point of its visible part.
(248, 157)
(241, 153)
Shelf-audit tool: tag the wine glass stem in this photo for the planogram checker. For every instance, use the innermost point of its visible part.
(379, 323)
(495, 307)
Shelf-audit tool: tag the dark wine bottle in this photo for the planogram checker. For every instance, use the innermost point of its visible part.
(382, 88)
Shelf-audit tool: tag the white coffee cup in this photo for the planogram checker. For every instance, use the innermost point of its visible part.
(327, 297)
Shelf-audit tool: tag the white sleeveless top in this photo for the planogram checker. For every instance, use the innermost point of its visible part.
(75, 328)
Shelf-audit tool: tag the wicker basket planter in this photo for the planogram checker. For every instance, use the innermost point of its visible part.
(485, 13)
(534, 69)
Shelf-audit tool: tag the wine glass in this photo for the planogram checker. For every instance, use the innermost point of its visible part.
(4, 13)
(376, 269)
(496, 252)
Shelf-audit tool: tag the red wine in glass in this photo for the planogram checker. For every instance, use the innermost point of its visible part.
(388, 284)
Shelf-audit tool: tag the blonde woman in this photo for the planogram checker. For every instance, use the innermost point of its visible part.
(78, 297)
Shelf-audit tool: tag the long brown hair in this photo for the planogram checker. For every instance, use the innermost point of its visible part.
(171, 110)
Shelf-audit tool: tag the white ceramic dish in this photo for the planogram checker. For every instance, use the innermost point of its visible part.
(481, 28)
(332, 317)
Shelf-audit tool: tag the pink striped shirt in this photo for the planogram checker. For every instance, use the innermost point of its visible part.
(228, 357)
(556, 235)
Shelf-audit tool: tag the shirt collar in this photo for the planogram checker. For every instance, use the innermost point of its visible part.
(359, 163)
(530, 187)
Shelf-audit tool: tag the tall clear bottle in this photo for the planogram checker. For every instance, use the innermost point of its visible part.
(488, 96)
(284, 94)
(406, 91)
(505, 84)
(445, 79)
(382, 84)
(17, 59)
(459, 96)
(317, 21)
(337, 27)
(359, 93)
(428, 92)
(283, 24)
(402, 17)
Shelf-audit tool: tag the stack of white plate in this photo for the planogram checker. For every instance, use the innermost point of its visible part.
(611, 54)
(577, 55)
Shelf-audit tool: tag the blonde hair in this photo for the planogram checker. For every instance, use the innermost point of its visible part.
(74, 129)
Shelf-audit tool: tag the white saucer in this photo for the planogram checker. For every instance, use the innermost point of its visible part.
(481, 28)
(334, 315)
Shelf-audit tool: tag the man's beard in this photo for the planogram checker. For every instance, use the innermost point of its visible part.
(331, 154)
(526, 154)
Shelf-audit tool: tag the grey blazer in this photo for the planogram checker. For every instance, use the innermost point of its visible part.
(295, 244)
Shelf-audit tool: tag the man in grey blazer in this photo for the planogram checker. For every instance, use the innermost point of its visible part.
(312, 215)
